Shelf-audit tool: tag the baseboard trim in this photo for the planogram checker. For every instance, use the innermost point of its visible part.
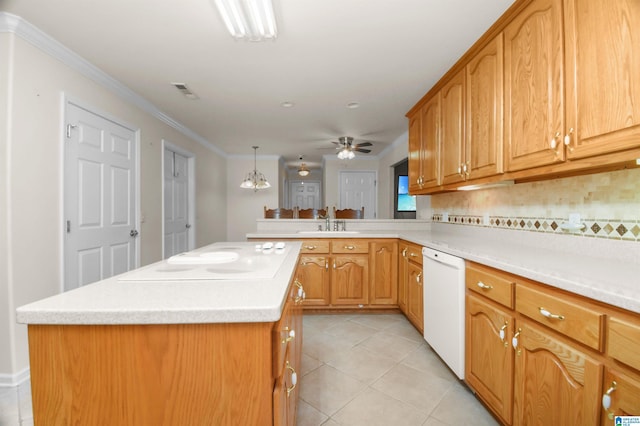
(14, 380)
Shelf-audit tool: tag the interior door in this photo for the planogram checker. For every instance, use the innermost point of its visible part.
(305, 195)
(357, 190)
(99, 197)
(176, 203)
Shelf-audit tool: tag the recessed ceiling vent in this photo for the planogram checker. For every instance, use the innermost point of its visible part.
(185, 90)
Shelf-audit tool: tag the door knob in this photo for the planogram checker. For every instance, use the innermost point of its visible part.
(188, 225)
(133, 233)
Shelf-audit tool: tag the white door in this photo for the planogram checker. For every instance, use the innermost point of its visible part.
(357, 190)
(99, 197)
(305, 195)
(176, 203)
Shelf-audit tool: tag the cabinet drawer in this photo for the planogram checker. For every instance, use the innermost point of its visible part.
(563, 313)
(349, 246)
(413, 253)
(623, 341)
(496, 285)
(315, 246)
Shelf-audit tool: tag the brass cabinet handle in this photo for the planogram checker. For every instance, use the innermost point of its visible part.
(567, 140)
(503, 333)
(294, 378)
(484, 286)
(349, 247)
(301, 294)
(412, 254)
(404, 252)
(553, 143)
(514, 341)
(291, 334)
(419, 278)
(606, 400)
(326, 264)
(548, 314)
(310, 247)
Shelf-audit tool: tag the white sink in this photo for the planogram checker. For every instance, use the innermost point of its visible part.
(328, 233)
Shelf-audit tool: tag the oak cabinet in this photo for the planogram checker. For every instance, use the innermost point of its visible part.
(489, 358)
(452, 151)
(402, 275)
(555, 382)
(314, 272)
(383, 277)
(602, 65)
(623, 393)
(484, 112)
(415, 301)
(350, 279)
(424, 147)
(534, 100)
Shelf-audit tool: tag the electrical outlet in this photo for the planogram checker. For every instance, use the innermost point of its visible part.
(485, 220)
(445, 217)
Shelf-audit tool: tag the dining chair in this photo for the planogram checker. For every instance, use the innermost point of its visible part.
(278, 213)
(348, 213)
(312, 213)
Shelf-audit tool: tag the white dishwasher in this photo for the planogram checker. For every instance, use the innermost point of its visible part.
(443, 291)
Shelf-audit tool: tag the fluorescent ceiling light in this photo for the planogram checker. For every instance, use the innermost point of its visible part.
(251, 20)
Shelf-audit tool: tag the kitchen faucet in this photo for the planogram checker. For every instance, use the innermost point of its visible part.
(327, 221)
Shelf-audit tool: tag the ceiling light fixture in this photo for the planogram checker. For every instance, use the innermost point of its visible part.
(303, 170)
(255, 180)
(251, 20)
(353, 105)
(346, 153)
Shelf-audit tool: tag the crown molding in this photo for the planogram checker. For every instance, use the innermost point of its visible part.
(10, 23)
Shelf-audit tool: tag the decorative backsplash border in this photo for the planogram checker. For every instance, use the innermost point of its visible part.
(598, 228)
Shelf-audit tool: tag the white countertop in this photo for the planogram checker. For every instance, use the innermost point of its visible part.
(604, 270)
(119, 300)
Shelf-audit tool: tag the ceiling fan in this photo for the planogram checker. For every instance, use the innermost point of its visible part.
(346, 147)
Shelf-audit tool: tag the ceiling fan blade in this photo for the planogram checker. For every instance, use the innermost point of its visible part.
(337, 143)
(364, 144)
(366, 151)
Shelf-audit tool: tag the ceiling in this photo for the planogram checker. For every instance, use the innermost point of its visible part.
(382, 54)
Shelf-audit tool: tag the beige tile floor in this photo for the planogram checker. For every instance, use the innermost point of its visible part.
(376, 369)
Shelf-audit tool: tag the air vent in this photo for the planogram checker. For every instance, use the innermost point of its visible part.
(185, 90)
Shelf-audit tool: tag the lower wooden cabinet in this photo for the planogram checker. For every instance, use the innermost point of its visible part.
(415, 301)
(383, 272)
(313, 271)
(547, 356)
(489, 358)
(555, 383)
(350, 279)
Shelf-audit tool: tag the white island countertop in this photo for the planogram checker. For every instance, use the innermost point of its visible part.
(604, 270)
(230, 292)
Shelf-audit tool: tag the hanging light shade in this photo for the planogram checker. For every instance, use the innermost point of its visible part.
(303, 170)
(255, 180)
(346, 154)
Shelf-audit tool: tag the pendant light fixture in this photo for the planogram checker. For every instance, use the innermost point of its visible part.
(303, 170)
(255, 180)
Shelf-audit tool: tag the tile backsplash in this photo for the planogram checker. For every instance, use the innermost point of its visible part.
(608, 205)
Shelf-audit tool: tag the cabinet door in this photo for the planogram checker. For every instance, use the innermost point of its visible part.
(452, 156)
(534, 105)
(430, 143)
(402, 277)
(555, 383)
(383, 268)
(602, 69)
(415, 302)
(624, 392)
(489, 357)
(415, 157)
(313, 272)
(484, 107)
(350, 280)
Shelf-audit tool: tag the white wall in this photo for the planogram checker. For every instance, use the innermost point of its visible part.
(244, 206)
(32, 171)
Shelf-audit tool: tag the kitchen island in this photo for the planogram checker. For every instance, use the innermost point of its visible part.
(220, 347)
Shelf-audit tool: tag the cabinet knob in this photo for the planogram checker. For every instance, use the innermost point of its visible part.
(548, 314)
(349, 247)
(567, 140)
(484, 286)
(514, 341)
(419, 278)
(310, 247)
(503, 333)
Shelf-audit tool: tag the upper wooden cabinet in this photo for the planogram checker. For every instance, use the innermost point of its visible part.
(484, 112)
(534, 108)
(550, 90)
(424, 147)
(602, 71)
(453, 163)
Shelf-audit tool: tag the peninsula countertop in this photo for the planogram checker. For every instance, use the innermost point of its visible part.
(604, 270)
(139, 298)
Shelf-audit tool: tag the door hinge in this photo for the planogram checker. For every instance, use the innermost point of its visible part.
(68, 226)
(69, 128)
